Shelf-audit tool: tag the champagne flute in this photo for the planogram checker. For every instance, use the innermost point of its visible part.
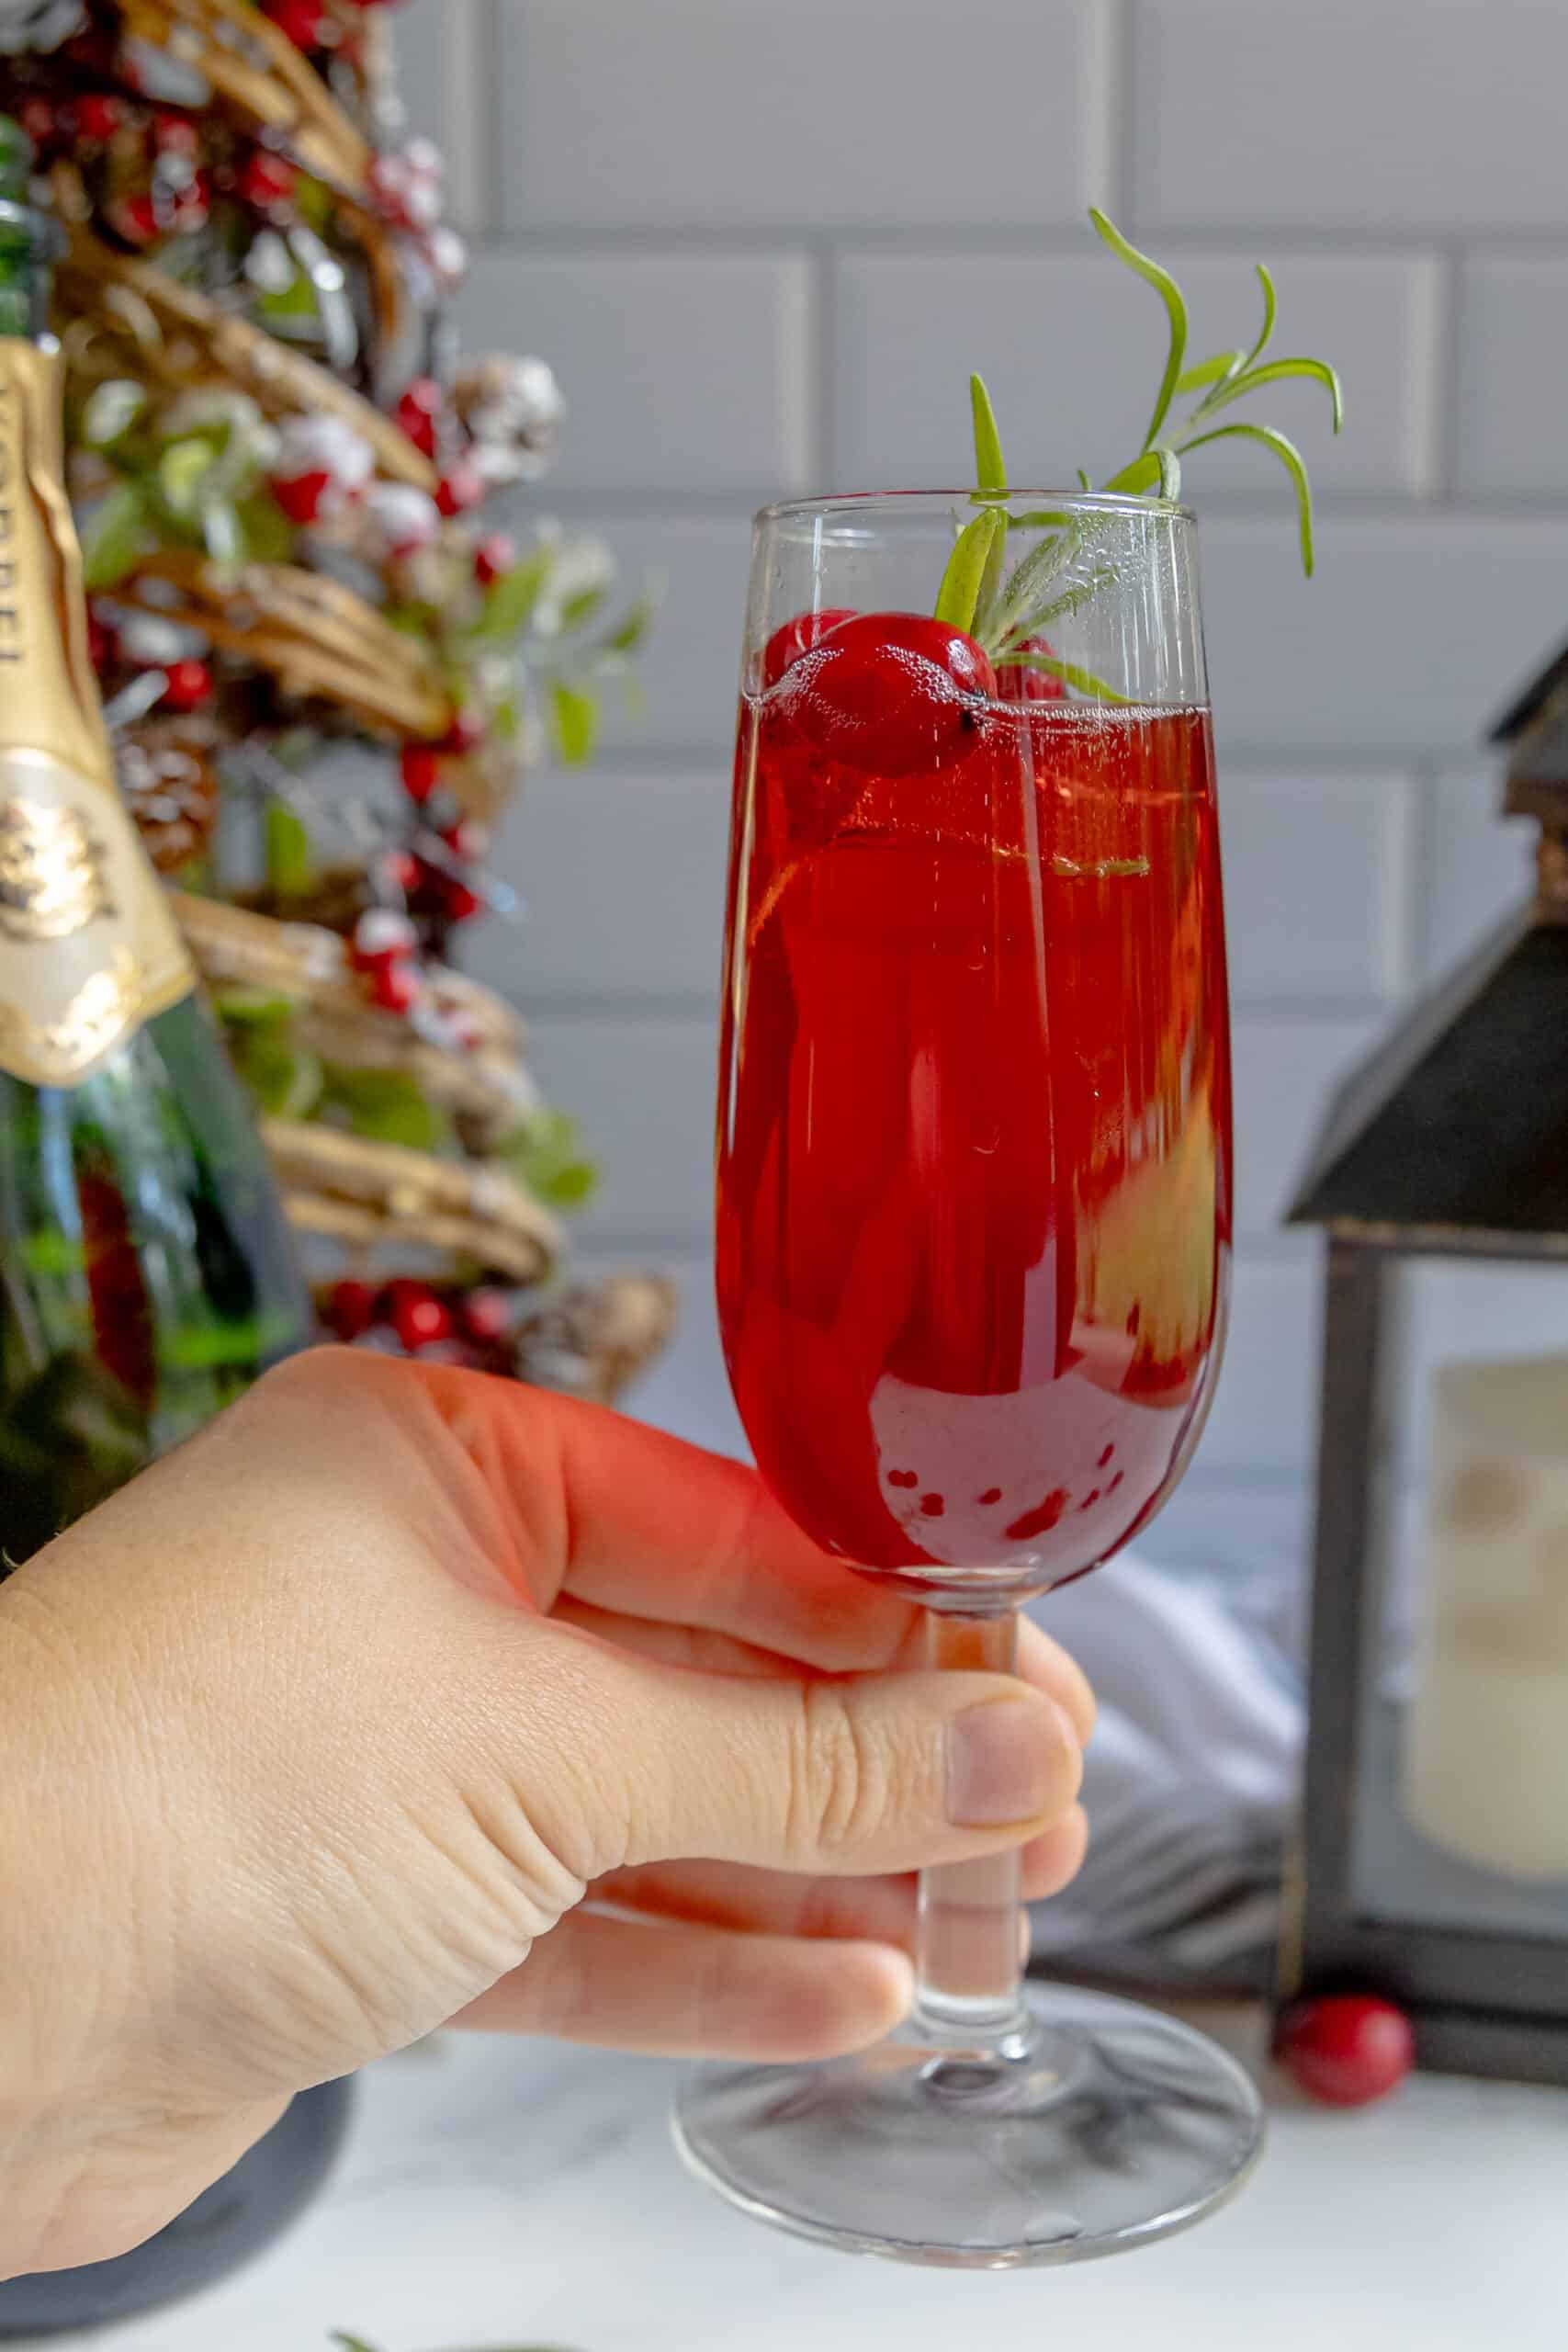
(974, 1221)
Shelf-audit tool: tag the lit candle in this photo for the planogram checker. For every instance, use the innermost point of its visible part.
(1486, 1736)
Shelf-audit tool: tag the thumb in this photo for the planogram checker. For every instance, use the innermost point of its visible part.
(620, 1760)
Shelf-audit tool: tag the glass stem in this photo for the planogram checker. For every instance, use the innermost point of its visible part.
(969, 1956)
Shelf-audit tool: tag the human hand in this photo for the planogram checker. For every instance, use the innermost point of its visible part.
(318, 1735)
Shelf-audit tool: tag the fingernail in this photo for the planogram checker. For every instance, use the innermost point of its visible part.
(998, 1764)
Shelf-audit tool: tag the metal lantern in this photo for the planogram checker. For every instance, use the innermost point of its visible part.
(1432, 1866)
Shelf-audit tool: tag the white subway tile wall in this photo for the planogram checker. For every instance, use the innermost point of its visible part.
(763, 247)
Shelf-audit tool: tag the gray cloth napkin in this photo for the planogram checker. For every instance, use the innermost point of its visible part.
(1191, 1776)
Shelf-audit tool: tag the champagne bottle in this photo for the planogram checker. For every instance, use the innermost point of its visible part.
(146, 1275)
(146, 1269)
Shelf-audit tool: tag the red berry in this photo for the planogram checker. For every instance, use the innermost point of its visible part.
(1348, 2050)
(137, 221)
(382, 936)
(797, 637)
(418, 1317)
(400, 870)
(351, 1309)
(306, 23)
(100, 643)
(302, 496)
(460, 490)
(1016, 681)
(494, 558)
(99, 118)
(395, 986)
(40, 120)
(267, 182)
(458, 903)
(464, 840)
(485, 1315)
(467, 733)
(190, 685)
(419, 414)
(173, 134)
(893, 694)
(421, 771)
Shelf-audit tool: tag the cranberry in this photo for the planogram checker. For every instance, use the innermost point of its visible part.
(395, 986)
(460, 904)
(305, 22)
(269, 183)
(351, 1309)
(419, 1317)
(797, 637)
(173, 134)
(893, 694)
(421, 771)
(1348, 2050)
(381, 936)
(302, 496)
(1018, 683)
(188, 686)
(485, 1315)
(464, 840)
(399, 871)
(460, 490)
(99, 118)
(418, 413)
(494, 558)
(137, 221)
(467, 733)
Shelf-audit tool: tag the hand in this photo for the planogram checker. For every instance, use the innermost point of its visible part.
(318, 1735)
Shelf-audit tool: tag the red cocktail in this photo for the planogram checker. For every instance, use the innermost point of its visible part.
(974, 1164)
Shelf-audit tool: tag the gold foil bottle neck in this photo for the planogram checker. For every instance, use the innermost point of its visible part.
(88, 949)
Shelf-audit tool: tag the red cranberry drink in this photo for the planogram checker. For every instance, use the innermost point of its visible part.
(974, 1178)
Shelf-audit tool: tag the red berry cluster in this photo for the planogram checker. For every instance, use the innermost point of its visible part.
(436, 1322)
(385, 952)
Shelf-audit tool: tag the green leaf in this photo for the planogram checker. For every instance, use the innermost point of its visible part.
(1082, 682)
(284, 1078)
(385, 1106)
(990, 469)
(1158, 469)
(510, 601)
(1170, 294)
(266, 533)
(1215, 370)
(290, 859)
(351, 2343)
(1289, 456)
(546, 1156)
(115, 536)
(247, 1007)
(986, 601)
(1279, 371)
(313, 203)
(1041, 564)
(961, 582)
(581, 607)
(181, 469)
(629, 632)
(109, 413)
(1270, 304)
(576, 717)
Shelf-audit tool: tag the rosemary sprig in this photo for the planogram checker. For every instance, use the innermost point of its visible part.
(1005, 611)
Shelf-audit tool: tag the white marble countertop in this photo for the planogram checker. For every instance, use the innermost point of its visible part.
(504, 2194)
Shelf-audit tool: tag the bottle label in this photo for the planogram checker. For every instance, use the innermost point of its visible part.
(88, 948)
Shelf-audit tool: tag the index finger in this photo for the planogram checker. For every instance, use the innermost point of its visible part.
(631, 1521)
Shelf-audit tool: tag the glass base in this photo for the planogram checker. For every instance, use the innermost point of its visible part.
(1100, 2127)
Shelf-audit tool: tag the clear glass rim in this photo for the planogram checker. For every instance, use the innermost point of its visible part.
(859, 502)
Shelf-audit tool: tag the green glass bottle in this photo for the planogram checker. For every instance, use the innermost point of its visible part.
(146, 1272)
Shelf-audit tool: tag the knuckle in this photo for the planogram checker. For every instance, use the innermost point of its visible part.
(843, 1783)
